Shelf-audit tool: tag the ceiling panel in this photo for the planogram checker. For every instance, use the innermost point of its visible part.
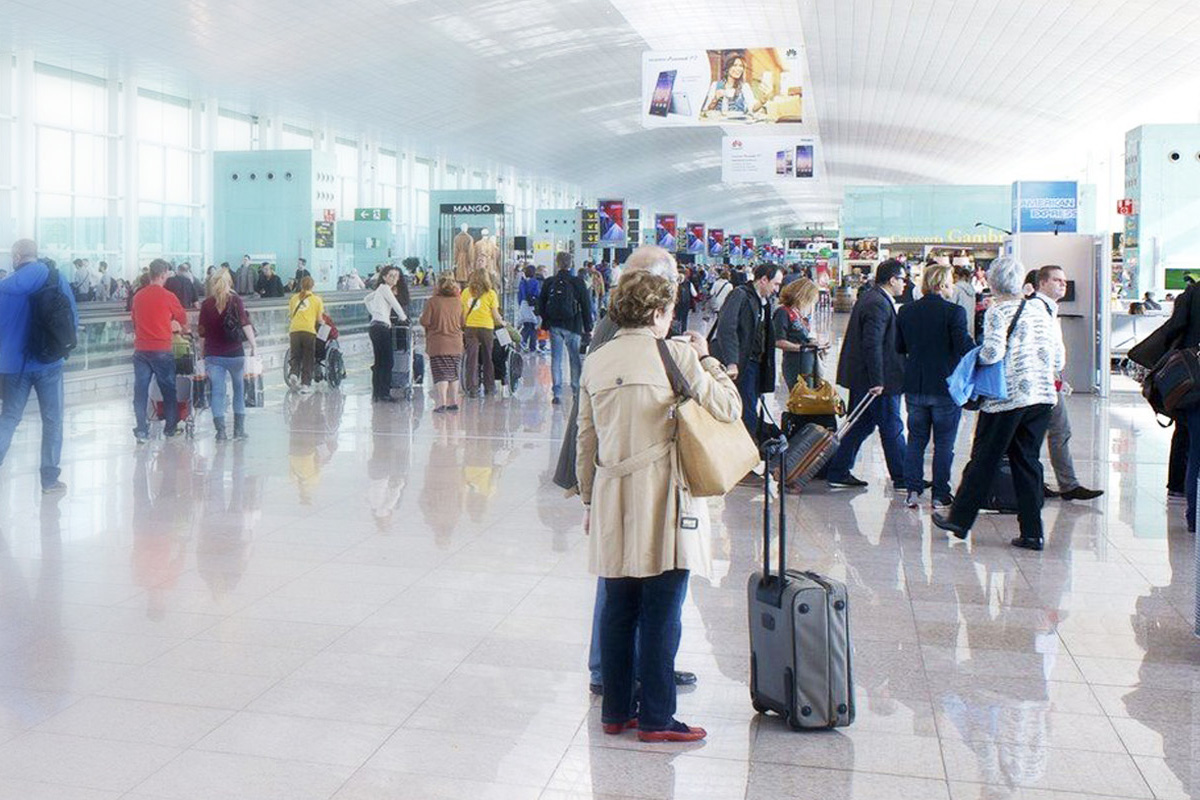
(922, 91)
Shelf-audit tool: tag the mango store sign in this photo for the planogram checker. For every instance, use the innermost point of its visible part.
(1045, 206)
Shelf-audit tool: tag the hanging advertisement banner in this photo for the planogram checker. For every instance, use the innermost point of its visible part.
(735, 245)
(1045, 206)
(748, 247)
(666, 228)
(612, 223)
(769, 159)
(741, 86)
(716, 242)
(695, 238)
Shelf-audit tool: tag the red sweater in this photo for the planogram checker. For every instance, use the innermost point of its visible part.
(153, 309)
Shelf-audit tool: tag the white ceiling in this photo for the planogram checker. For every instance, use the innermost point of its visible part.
(916, 91)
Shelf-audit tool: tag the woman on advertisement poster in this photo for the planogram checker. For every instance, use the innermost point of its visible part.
(732, 95)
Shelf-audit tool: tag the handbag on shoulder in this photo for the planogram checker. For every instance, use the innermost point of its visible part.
(715, 455)
(1173, 386)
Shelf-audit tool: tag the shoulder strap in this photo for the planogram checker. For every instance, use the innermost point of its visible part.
(679, 384)
(1016, 317)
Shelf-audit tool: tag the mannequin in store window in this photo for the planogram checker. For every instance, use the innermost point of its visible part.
(487, 255)
(463, 250)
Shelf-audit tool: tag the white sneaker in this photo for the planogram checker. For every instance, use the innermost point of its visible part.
(913, 500)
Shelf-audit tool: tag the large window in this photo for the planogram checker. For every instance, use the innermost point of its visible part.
(293, 138)
(347, 173)
(71, 164)
(422, 180)
(167, 204)
(234, 131)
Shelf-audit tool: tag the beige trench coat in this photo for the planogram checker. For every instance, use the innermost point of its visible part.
(627, 462)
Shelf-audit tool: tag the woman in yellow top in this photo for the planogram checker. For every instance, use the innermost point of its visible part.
(305, 310)
(481, 307)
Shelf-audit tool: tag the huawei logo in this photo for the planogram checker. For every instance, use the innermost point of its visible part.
(791, 53)
(737, 144)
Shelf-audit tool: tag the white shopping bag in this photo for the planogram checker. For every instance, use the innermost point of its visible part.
(253, 366)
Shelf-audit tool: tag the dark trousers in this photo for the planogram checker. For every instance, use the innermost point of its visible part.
(478, 342)
(304, 355)
(646, 611)
(159, 366)
(1019, 434)
(381, 370)
(883, 413)
(937, 415)
(1192, 426)
(1177, 464)
(747, 384)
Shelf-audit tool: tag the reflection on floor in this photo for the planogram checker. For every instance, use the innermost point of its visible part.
(380, 602)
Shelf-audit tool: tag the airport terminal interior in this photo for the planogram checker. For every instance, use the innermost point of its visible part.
(359, 587)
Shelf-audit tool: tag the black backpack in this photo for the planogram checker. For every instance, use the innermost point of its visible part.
(562, 304)
(51, 322)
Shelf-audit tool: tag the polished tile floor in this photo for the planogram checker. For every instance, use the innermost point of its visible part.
(379, 602)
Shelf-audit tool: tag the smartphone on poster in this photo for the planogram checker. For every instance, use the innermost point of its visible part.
(660, 101)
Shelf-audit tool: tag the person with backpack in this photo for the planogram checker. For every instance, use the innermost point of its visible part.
(224, 327)
(566, 312)
(38, 318)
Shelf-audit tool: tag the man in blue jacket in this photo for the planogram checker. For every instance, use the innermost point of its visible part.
(869, 364)
(22, 373)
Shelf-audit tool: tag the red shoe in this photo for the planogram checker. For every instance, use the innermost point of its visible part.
(614, 728)
(677, 732)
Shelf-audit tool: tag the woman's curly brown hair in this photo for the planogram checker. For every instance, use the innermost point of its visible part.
(638, 296)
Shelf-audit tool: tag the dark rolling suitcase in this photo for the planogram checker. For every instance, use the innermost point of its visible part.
(800, 651)
(1002, 498)
(810, 449)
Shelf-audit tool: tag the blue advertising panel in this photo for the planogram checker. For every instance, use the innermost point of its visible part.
(1045, 206)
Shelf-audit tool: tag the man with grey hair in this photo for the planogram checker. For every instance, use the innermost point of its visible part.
(22, 372)
(660, 262)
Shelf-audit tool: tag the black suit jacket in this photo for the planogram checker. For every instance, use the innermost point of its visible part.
(869, 357)
(932, 332)
(732, 337)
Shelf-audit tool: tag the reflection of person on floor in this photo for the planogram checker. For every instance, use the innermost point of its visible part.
(38, 670)
(160, 524)
(386, 470)
(311, 444)
(443, 491)
(223, 549)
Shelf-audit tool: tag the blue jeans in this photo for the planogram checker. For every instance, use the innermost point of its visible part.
(747, 384)
(641, 612)
(561, 338)
(48, 383)
(160, 366)
(883, 413)
(218, 368)
(529, 332)
(941, 414)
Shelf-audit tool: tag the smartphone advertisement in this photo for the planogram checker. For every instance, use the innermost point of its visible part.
(666, 228)
(748, 247)
(716, 242)
(735, 245)
(612, 223)
(695, 238)
(769, 159)
(738, 86)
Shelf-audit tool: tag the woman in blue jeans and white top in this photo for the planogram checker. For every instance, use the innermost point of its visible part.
(224, 326)
(932, 333)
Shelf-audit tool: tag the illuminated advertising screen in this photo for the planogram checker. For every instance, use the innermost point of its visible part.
(612, 223)
(716, 241)
(748, 247)
(695, 238)
(666, 228)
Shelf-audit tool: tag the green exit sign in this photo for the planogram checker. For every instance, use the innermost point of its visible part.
(372, 215)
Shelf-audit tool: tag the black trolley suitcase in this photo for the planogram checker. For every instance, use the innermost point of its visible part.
(800, 651)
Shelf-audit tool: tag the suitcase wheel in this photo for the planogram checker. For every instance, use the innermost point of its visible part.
(757, 706)
(794, 723)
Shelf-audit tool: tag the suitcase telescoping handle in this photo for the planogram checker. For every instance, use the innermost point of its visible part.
(854, 417)
(774, 449)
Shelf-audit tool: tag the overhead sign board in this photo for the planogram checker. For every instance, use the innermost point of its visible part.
(739, 86)
(769, 159)
(1125, 207)
(1045, 207)
(372, 215)
(589, 227)
(472, 208)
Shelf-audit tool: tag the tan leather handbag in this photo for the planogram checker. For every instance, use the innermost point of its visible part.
(715, 455)
(812, 401)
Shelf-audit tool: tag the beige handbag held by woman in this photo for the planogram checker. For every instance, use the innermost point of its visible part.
(715, 455)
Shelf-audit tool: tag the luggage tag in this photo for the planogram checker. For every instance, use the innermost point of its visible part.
(689, 523)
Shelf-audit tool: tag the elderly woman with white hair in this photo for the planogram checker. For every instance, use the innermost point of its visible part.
(1025, 338)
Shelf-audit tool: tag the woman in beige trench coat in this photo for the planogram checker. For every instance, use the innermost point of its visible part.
(647, 532)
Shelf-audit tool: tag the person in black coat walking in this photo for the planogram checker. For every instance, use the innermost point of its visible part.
(870, 364)
(932, 333)
(744, 341)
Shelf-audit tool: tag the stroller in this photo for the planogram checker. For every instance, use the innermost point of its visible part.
(191, 391)
(329, 365)
(508, 361)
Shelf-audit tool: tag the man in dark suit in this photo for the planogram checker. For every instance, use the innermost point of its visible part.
(932, 332)
(743, 341)
(869, 364)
